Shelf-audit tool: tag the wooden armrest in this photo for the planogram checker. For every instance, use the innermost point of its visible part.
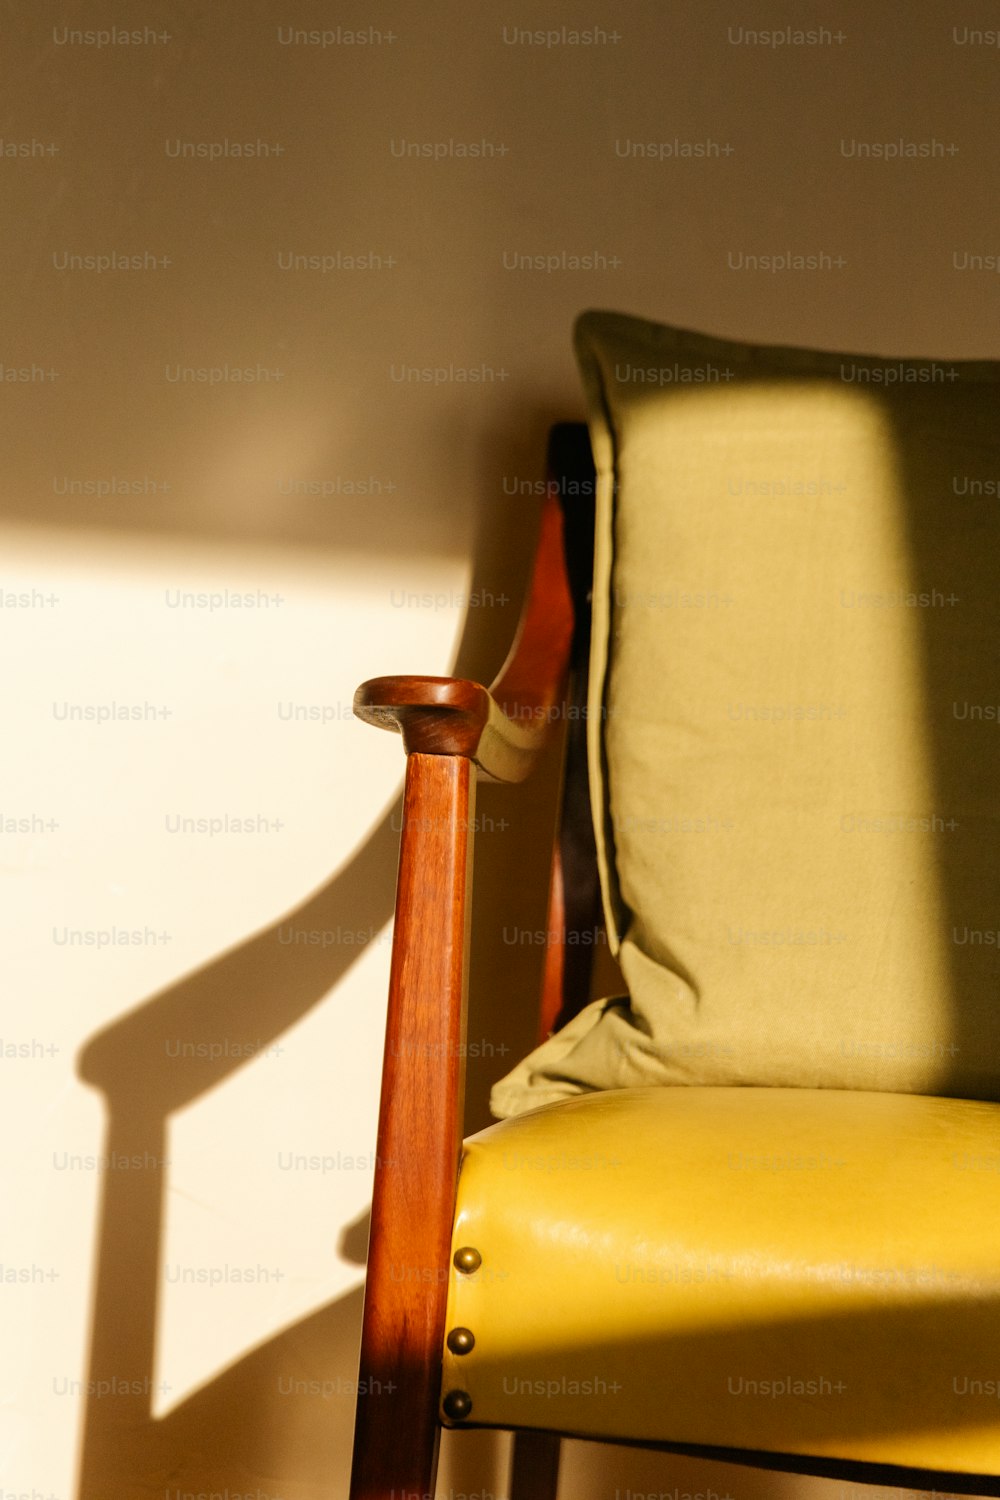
(452, 716)
(448, 726)
(501, 728)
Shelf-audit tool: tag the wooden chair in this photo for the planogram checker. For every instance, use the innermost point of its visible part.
(454, 732)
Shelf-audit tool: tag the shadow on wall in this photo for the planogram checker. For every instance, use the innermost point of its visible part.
(254, 1427)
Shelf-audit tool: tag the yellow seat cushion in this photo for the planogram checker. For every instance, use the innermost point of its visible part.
(794, 720)
(812, 1272)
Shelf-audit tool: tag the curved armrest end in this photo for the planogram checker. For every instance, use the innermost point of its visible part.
(501, 728)
(453, 716)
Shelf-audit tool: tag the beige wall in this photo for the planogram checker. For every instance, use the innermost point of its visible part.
(128, 486)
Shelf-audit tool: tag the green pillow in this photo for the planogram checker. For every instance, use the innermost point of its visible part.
(794, 727)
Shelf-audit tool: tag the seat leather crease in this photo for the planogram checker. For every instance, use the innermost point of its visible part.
(812, 1272)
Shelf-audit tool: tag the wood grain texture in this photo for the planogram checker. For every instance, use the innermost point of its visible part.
(419, 1137)
(452, 729)
(502, 728)
(554, 965)
(452, 716)
(529, 685)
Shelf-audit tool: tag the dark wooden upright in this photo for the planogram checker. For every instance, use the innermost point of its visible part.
(453, 731)
(418, 1134)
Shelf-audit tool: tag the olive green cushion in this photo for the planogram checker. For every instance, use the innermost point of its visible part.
(794, 720)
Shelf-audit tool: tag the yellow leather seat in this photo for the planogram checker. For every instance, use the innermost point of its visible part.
(800, 1271)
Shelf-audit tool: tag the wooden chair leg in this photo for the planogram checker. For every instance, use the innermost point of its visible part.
(419, 1135)
(534, 1473)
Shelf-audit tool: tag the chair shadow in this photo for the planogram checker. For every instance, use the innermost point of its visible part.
(232, 1433)
(278, 1422)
